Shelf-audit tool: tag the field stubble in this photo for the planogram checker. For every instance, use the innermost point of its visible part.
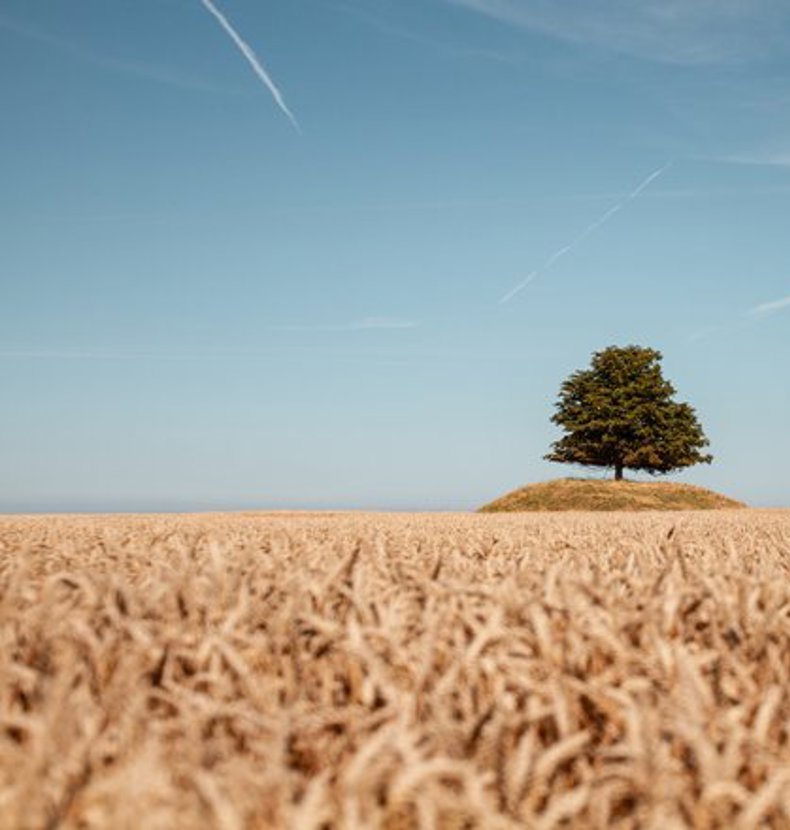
(395, 671)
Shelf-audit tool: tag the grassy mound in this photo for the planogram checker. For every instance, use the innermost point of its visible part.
(592, 494)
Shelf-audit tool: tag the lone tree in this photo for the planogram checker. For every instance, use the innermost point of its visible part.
(620, 413)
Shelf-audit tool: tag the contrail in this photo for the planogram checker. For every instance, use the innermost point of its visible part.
(253, 61)
(602, 220)
(770, 308)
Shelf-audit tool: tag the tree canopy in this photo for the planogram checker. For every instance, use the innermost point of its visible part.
(620, 413)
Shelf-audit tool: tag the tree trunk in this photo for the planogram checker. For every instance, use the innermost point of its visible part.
(618, 471)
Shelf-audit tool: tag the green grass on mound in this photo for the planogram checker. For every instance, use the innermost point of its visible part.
(592, 494)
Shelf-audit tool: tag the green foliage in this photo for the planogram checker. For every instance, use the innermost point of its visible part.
(620, 413)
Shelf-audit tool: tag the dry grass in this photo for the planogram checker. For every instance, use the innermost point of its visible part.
(598, 494)
(393, 672)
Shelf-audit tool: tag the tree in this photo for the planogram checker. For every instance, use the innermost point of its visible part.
(620, 413)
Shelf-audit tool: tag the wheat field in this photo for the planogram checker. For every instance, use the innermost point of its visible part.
(327, 671)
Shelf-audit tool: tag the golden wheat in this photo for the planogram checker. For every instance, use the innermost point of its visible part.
(395, 671)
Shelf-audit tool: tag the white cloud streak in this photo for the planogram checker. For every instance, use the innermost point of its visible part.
(55, 354)
(189, 353)
(757, 159)
(252, 59)
(750, 318)
(682, 32)
(365, 324)
(100, 354)
(360, 10)
(590, 229)
(765, 309)
(384, 323)
(157, 74)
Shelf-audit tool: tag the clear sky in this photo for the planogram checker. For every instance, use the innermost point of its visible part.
(202, 306)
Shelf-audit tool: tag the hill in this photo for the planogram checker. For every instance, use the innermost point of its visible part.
(594, 494)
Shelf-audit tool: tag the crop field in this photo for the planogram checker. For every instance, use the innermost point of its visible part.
(328, 671)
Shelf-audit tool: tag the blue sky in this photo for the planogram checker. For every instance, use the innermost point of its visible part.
(204, 307)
